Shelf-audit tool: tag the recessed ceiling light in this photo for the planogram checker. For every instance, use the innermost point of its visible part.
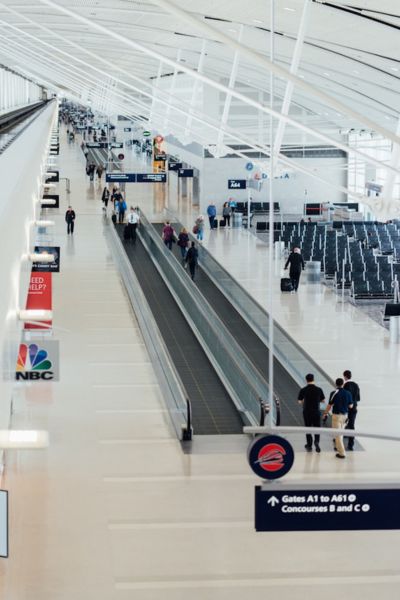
(356, 72)
(326, 114)
(301, 76)
(257, 21)
(386, 117)
(233, 30)
(327, 74)
(394, 68)
(289, 9)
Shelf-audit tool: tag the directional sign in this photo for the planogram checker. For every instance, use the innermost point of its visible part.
(160, 157)
(174, 166)
(52, 177)
(121, 177)
(51, 197)
(117, 145)
(330, 507)
(237, 184)
(128, 129)
(3, 524)
(151, 177)
(185, 173)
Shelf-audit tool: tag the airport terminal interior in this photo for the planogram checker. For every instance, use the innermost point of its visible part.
(199, 207)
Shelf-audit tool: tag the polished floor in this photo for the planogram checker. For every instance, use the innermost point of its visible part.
(114, 509)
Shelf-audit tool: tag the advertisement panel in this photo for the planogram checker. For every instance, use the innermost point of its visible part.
(45, 267)
(38, 361)
(39, 296)
(55, 204)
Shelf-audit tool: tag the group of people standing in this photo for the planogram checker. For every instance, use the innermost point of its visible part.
(118, 201)
(189, 252)
(227, 211)
(342, 403)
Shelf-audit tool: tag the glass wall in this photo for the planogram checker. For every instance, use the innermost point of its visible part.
(16, 91)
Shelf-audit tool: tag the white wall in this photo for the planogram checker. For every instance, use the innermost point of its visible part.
(22, 166)
(289, 192)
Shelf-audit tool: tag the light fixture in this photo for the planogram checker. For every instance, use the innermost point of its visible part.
(48, 201)
(44, 223)
(34, 315)
(232, 30)
(289, 9)
(23, 439)
(44, 257)
(301, 76)
(394, 68)
(50, 185)
(257, 21)
(327, 74)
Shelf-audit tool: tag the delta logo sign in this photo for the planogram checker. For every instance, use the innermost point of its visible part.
(270, 456)
(34, 362)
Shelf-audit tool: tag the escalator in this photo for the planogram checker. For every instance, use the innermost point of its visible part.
(213, 411)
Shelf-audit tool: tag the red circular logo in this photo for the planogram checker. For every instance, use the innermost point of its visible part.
(121, 156)
(271, 457)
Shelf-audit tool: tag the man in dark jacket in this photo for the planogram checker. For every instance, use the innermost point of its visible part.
(191, 259)
(352, 387)
(340, 402)
(296, 263)
(70, 220)
(310, 397)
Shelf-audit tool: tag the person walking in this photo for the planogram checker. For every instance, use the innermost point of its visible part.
(296, 263)
(168, 235)
(105, 196)
(133, 222)
(353, 388)
(183, 242)
(212, 213)
(90, 170)
(226, 213)
(310, 397)
(191, 259)
(198, 228)
(99, 171)
(340, 401)
(70, 220)
(121, 210)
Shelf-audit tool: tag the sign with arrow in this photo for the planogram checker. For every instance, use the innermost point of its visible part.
(327, 507)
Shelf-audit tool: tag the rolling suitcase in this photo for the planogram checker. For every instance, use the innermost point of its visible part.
(222, 223)
(286, 285)
(214, 224)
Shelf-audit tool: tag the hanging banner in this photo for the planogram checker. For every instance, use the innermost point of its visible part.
(38, 361)
(39, 297)
(46, 267)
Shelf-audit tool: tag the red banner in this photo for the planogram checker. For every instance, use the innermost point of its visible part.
(39, 296)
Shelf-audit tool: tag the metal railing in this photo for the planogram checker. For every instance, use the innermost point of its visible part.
(245, 384)
(174, 392)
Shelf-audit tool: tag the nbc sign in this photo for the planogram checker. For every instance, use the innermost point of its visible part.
(38, 363)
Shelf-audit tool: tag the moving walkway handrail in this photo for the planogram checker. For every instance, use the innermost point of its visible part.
(241, 378)
(174, 392)
(289, 353)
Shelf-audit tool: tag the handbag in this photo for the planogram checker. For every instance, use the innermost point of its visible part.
(195, 229)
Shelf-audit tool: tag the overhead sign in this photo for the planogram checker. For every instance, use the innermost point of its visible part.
(321, 508)
(185, 173)
(38, 362)
(270, 456)
(54, 197)
(146, 133)
(120, 177)
(174, 166)
(3, 524)
(46, 267)
(151, 177)
(117, 145)
(160, 157)
(128, 129)
(39, 297)
(237, 184)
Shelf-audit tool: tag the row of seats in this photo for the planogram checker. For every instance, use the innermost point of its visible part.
(257, 207)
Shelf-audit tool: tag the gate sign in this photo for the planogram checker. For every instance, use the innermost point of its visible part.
(151, 177)
(270, 456)
(329, 507)
(3, 524)
(55, 204)
(185, 173)
(121, 177)
(237, 184)
(174, 166)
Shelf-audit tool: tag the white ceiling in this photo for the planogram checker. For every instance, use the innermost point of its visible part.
(350, 56)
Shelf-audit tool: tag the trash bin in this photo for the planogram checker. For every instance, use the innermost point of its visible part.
(394, 327)
(237, 219)
(314, 271)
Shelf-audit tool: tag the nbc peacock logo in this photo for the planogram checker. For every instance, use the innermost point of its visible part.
(33, 363)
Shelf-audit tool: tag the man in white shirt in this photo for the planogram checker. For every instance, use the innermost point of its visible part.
(133, 221)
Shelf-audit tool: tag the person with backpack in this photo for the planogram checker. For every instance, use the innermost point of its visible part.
(198, 228)
(168, 235)
(183, 242)
(121, 210)
(191, 259)
(352, 387)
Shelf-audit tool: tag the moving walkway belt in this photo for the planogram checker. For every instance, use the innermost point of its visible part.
(212, 408)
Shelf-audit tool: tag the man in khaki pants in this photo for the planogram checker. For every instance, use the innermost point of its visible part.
(340, 401)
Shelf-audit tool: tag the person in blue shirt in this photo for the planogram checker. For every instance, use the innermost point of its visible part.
(340, 402)
(212, 213)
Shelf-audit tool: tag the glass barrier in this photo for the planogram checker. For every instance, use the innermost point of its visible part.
(174, 392)
(242, 379)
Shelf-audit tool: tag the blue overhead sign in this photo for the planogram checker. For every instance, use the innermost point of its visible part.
(121, 177)
(237, 184)
(136, 177)
(336, 508)
(174, 166)
(185, 173)
(151, 177)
